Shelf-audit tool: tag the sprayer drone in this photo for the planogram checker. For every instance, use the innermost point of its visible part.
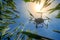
(39, 21)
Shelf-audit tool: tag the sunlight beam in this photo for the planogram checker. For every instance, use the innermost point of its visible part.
(38, 7)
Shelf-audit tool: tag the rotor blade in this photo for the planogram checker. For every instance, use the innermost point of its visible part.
(46, 25)
(30, 13)
(48, 18)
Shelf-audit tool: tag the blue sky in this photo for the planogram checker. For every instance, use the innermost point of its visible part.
(54, 24)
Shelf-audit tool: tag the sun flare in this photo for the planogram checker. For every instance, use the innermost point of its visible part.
(35, 8)
(38, 7)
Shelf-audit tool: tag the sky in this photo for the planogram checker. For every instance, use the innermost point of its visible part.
(22, 7)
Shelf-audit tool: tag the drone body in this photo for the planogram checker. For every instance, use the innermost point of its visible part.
(38, 21)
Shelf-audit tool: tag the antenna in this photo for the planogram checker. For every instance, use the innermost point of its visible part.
(40, 13)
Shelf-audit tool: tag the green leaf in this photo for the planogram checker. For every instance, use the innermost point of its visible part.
(8, 12)
(31, 35)
(10, 3)
(21, 24)
(17, 16)
(51, 10)
(3, 30)
(58, 16)
(37, 1)
(57, 31)
(14, 10)
(26, 0)
(55, 8)
(48, 3)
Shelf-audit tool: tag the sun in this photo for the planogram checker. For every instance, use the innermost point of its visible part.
(38, 7)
